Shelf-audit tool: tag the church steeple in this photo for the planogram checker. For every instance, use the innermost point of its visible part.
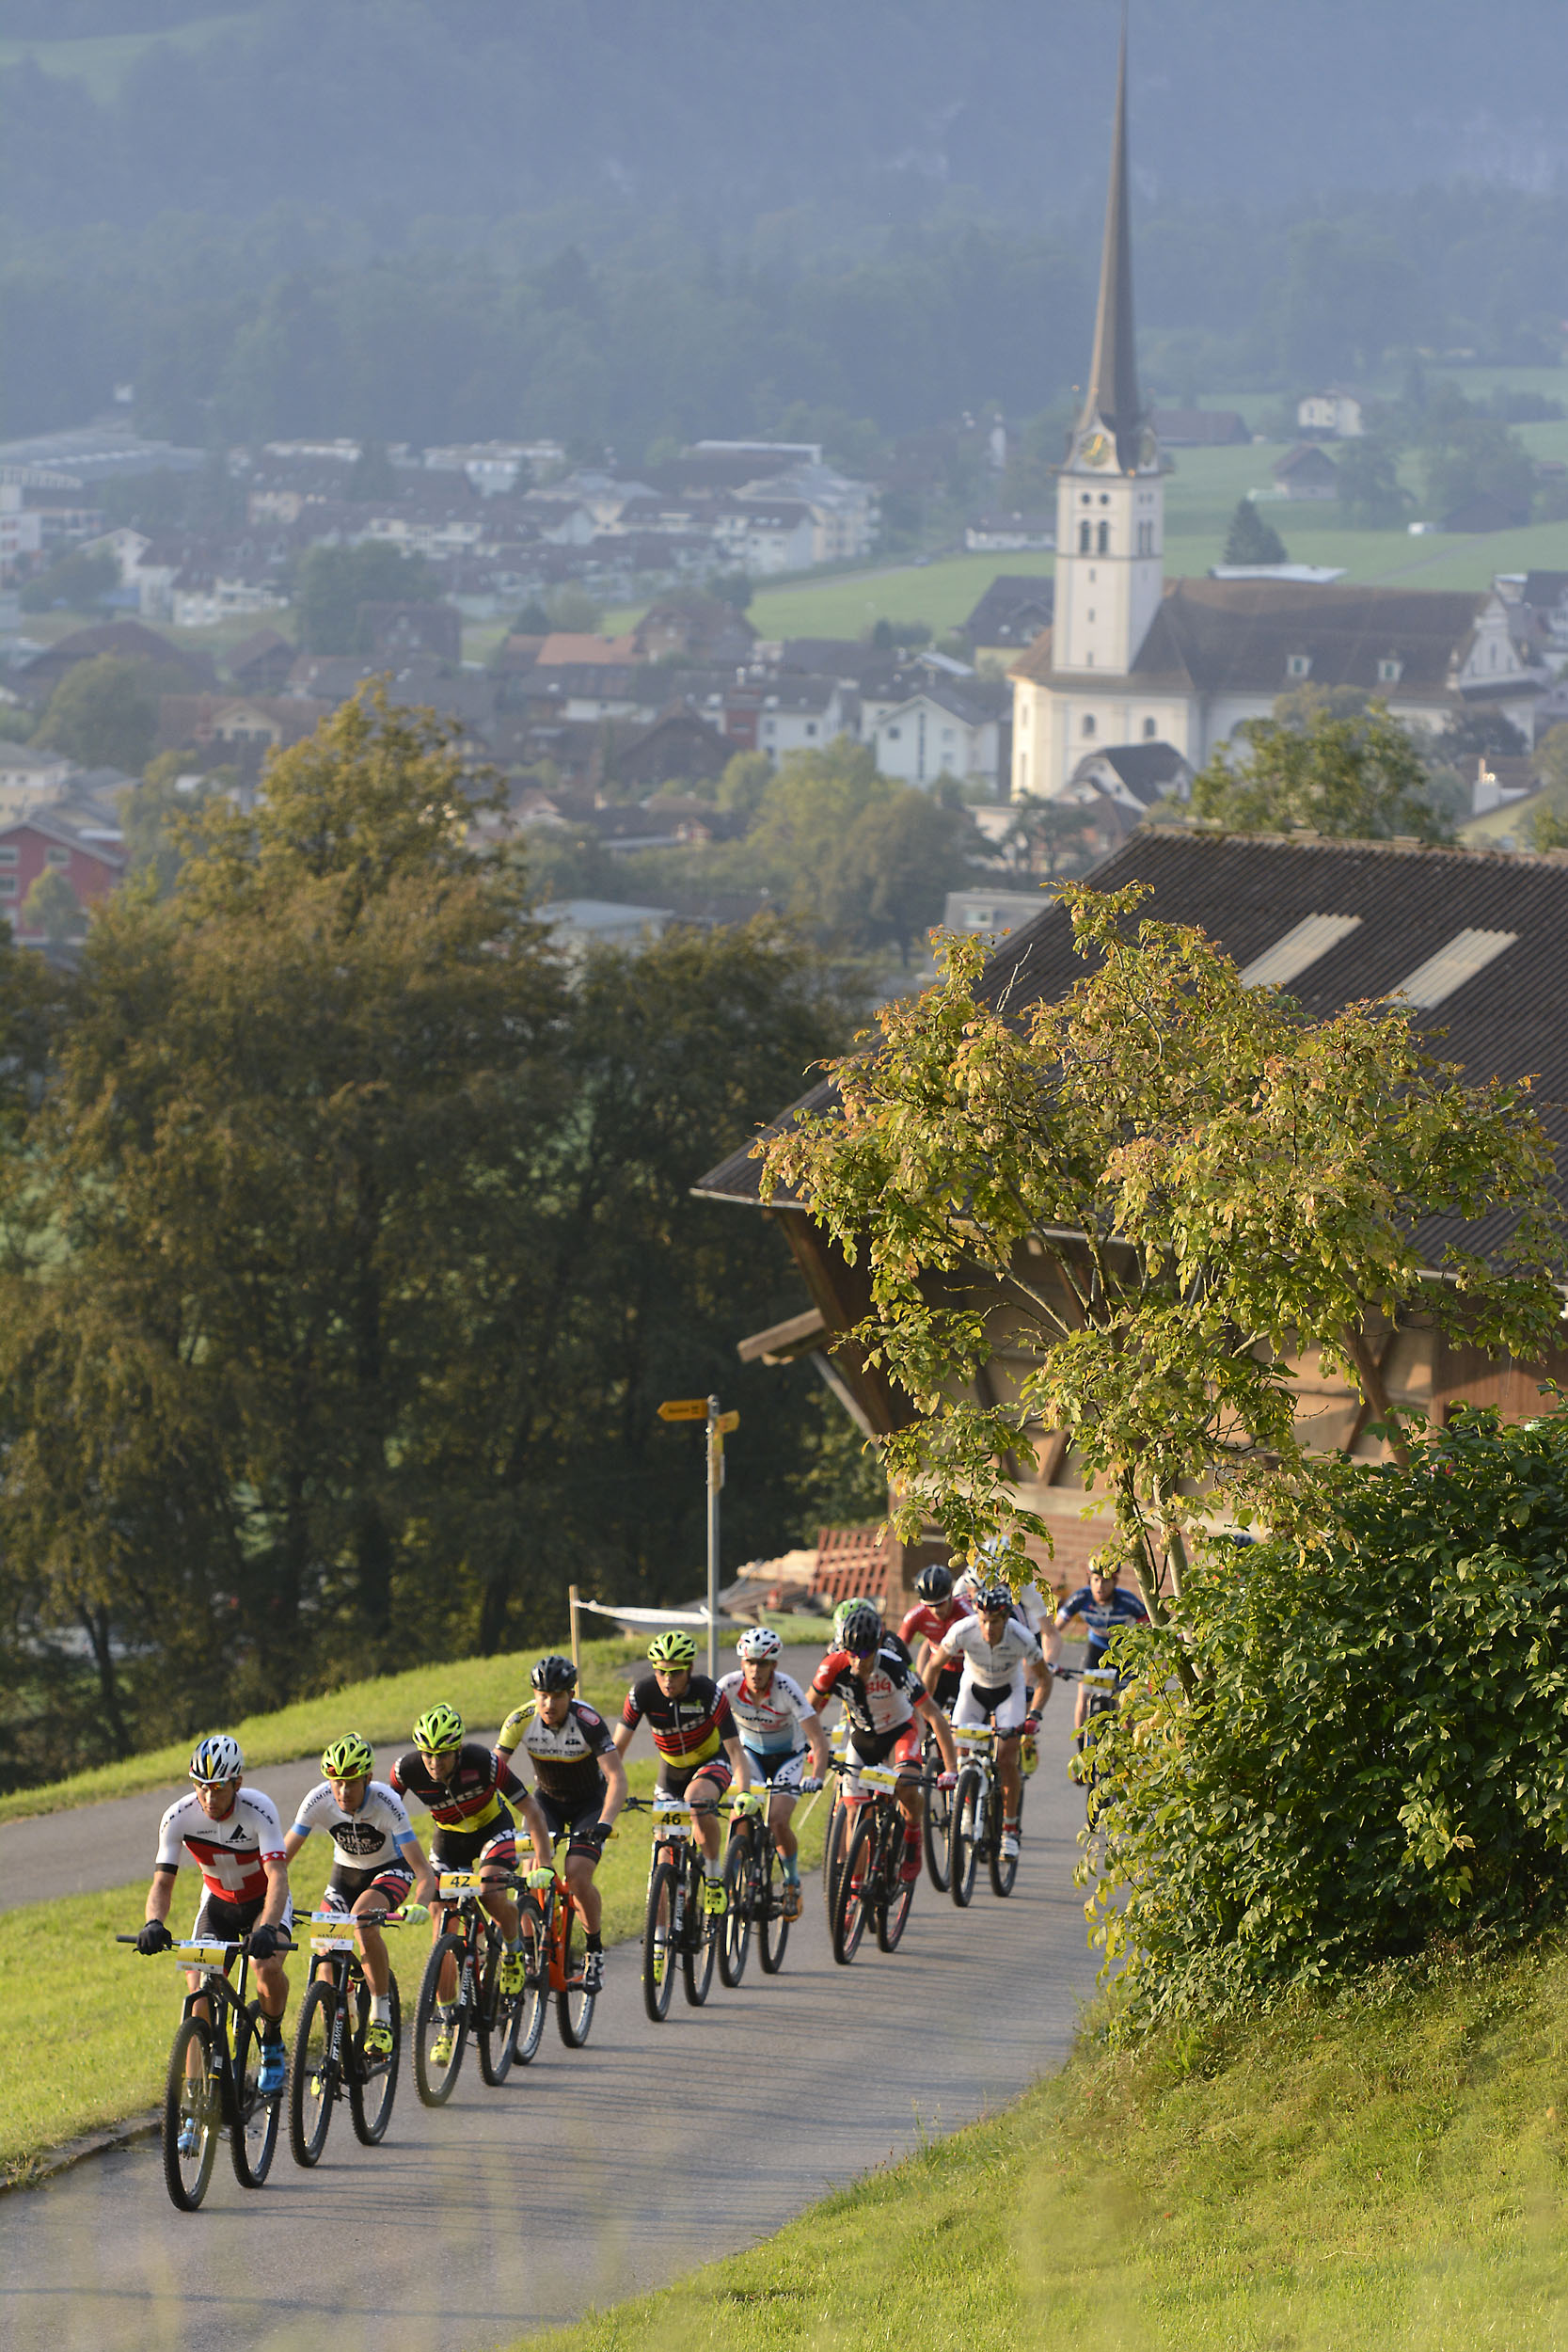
(1111, 402)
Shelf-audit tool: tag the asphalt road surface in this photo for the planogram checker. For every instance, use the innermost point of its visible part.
(591, 2175)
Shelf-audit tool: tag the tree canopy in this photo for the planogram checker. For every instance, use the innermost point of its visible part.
(1351, 774)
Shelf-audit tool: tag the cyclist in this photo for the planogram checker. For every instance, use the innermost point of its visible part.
(937, 1606)
(773, 1713)
(698, 1744)
(464, 1785)
(992, 1648)
(236, 1839)
(580, 1785)
(378, 1864)
(1102, 1607)
(884, 1702)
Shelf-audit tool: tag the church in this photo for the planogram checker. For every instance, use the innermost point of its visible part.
(1132, 657)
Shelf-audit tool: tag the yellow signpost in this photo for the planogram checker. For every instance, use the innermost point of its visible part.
(719, 1428)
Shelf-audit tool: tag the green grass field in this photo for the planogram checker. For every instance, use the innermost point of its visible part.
(1383, 2176)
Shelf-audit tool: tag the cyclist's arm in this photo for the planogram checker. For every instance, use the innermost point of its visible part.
(275, 1904)
(943, 1730)
(1051, 1637)
(614, 1783)
(161, 1892)
(534, 1822)
(411, 1852)
(822, 1756)
(932, 1660)
(621, 1737)
(295, 1839)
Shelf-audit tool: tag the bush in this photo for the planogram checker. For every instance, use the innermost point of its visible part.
(1373, 1751)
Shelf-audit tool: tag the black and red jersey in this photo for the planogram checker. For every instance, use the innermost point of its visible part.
(886, 1698)
(471, 1799)
(688, 1730)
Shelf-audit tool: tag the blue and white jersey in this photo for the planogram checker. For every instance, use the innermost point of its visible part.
(768, 1721)
(1101, 1618)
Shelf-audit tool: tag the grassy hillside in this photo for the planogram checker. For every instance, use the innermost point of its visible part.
(1381, 2176)
(102, 61)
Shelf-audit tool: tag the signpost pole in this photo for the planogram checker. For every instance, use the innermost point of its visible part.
(715, 1479)
(576, 1654)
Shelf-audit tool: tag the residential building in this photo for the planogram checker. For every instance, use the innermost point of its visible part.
(789, 714)
(985, 912)
(259, 664)
(30, 771)
(942, 729)
(577, 924)
(762, 536)
(1306, 471)
(1009, 535)
(89, 853)
(1008, 617)
(1338, 413)
(20, 530)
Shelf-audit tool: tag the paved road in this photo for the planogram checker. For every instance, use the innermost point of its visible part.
(594, 2173)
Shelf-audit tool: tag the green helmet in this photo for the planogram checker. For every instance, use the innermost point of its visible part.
(672, 1650)
(439, 1728)
(855, 1601)
(349, 1758)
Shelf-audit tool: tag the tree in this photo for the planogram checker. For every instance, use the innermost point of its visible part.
(532, 621)
(804, 817)
(158, 817)
(372, 475)
(745, 780)
(1357, 776)
(732, 588)
(1371, 495)
(1251, 538)
(52, 908)
(331, 585)
(897, 864)
(103, 714)
(573, 609)
(1471, 735)
(1126, 1216)
(1044, 832)
(1467, 456)
(78, 580)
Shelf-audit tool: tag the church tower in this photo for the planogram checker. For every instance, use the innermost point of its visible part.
(1110, 496)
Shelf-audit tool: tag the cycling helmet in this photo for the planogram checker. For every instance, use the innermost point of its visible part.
(993, 1597)
(845, 1608)
(861, 1631)
(935, 1583)
(758, 1641)
(217, 1758)
(439, 1729)
(672, 1650)
(554, 1674)
(348, 1758)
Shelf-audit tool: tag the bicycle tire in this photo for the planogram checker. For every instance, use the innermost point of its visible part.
(253, 2126)
(936, 1826)
(499, 2016)
(833, 1855)
(436, 2084)
(372, 2084)
(850, 1902)
(895, 1893)
(658, 1941)
(969, 1800)
(190, 2100)
(735, 1941)
(313, 2076)
(1004, 1867)
(534, 1998)
(698, 1956)
(772, 1926)
(574, 2005)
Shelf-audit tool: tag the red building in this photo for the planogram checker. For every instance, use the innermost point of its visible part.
(86, 848)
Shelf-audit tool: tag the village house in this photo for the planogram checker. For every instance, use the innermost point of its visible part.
(1306, 471)
(1338, 413)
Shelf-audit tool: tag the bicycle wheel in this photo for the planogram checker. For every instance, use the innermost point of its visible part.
(254, 2124)
(832, 1853)
(658, 1941)
(574, 2008)
(704, 1932)
(499, 2016)
(969, 1823)
(313, 2075)
(534, 1998)
(735, 1939)
(894, 1892)
(372, 2083)
(936, 1831)
(773, 1926)
(192, 2116)
(852, 1895)
(436, 2068)
(1004, 1867)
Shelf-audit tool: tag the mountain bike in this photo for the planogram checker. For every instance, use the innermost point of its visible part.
(869, 1888)
(212, 2084)
(935, 1827)
(329, 2042)
(978, 1817)
(832, 1836)
(1103, 1684)
(754, 1879)
(556, 1957)
(677, 1922)
(474, 1949)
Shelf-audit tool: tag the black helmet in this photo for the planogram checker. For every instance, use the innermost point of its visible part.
(935, 1583)
(554, 1674)
(994, 1596)
(860, 1632)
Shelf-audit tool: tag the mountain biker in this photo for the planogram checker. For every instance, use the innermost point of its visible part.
(579, 1783)
(464, 1785)
(1103, 1608)
(772, 1712)
(937, 1606)
(378, 1862)
(236, 1839)
(884, 1702)
(992, 1648)
(698, 1744)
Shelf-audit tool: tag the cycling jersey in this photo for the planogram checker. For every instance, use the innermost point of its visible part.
(1101, 1618)
(929, 1624)
(564, 1756)
(768, 1721)
(883, 1702)
(991, 1664)
(685, 1731)
(470, 1799)
(231, 1854)
(376, 1834)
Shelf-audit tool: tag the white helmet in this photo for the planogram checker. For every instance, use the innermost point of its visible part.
(217, 1758)
(758, 1641)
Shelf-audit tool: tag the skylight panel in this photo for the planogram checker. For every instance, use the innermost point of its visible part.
(1312, 937)
(1466, 953)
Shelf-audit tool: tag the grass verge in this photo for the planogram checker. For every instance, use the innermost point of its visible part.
(1383, 2175)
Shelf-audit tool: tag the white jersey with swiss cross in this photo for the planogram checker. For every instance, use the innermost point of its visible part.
(366, 1838)
(231, 1852)
(768, 1721)
(991, 1664)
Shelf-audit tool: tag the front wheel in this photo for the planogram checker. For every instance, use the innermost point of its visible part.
(372, 2086)
(1004, 1867)
(704, 1934)
(773, 1925)
(832, 1853)
(853, 1892)
(936, 1831)
(969, 1828)
(896, 1893)
(499, 2016)
(534, 1998)
(735, 1935)
(658, 1941)
(441, 2034)
(313, 2076)
(573, 2007)
(253, 2126)
(191, 2116)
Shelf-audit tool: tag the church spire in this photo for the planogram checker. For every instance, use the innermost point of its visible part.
(1111, 405)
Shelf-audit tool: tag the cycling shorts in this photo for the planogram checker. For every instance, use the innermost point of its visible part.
(786, 1767)
(579, 1820)
(395, 1880)
(218, 1922)
(495, 1846)
(949, 1682)
(716, 1772)
(1003, 1701)
(900, 1747)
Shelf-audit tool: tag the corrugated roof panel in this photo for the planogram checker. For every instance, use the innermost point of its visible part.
(1312, 937)
(1466, 953)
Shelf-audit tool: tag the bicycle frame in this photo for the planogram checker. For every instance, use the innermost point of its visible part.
(220, 2027)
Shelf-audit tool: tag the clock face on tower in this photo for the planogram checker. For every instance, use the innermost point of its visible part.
(1095, 449)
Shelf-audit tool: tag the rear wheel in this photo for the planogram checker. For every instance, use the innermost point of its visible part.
(853, 1894)
(969, 1823)
(439, 2035)
(372, 2084)
(574, 2008)
(253, 2126)
(895, 1893)
(1004, 1867)
(697, 1959)
(936, 1833)
(832, 1852)
(191, 2116)
(658, 1941)
(734, 1937)
(772, 1926)
(534, 1998)
(313, 2076)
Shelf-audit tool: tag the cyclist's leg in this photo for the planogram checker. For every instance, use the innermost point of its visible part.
(386, 1889)
(909, 1795)
(498, 1859)
(450, 1850)
(702, 1791)
(582, 1860)
(1008, 1716)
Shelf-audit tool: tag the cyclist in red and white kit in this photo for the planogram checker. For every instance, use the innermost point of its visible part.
(937, 1606)
(236, 1839)
(884, 1703)
(991, 1650)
